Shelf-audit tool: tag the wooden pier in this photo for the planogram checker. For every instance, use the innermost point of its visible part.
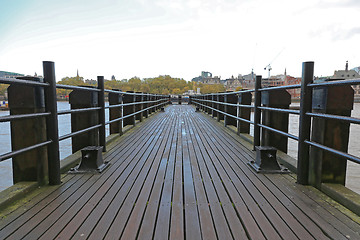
(178, 175)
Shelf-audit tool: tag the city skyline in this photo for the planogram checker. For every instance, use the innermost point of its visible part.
(179, 38)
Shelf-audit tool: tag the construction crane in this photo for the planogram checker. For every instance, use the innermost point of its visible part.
(268, 67)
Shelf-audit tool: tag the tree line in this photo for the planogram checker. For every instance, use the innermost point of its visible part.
(158, 85)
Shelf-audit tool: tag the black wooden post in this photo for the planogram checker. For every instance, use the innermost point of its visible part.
(31, 165)
(304, 123)
(324, 166)
(276, 99)
(114, 113)
(221, 107)
(84, 99)
(233, 99)
(213, 105)
(129, 109)
(146, 105)
(257, 112)
(138, 107)
(52, 124)
(244, 99)
(101, 96)
(217, 107)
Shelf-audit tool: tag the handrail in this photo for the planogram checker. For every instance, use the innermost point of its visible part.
(148, 102)
(210, 103)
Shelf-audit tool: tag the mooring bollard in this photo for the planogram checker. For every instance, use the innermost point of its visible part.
(324, 166)
(84, 99)
(278, 120)
(130, 109)
(115, 113)
(244, 99)
(31, 165)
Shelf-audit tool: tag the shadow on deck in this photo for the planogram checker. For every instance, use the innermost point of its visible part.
(178, 175)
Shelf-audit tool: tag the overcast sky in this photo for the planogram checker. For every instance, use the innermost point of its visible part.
(181, 38)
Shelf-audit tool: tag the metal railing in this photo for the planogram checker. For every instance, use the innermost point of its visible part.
(49, 86)
(216, 105)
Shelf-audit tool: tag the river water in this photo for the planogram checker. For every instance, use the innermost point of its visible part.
(353, 171)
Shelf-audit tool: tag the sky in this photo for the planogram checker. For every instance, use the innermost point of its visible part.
(181, 38)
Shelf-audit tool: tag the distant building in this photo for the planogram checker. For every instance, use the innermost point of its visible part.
(349, 74)
(4, 74)
(282, 80)
(206, 78)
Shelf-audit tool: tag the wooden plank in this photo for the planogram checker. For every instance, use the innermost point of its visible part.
(39, 212)
(156, 172)
(162, 226)
(143, 181)
(317, 218)
(81, 209)
(106, 209)
(206, 221)
(192, 222)
(243, 211)
(177, 216)
(270, 204)
(222, 229)
(336, 234)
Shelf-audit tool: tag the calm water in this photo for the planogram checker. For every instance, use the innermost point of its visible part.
(353, 174)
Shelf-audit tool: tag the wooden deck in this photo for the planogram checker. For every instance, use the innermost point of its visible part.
(178, 175)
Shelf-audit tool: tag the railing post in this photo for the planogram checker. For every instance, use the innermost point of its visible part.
(128, 98)
(84, 99)
(221, 107)
(101, 96)
(213, 105)
(146, 105)
(138, 107)
(257, 112)
(233, 99)
(31, 165)
(325, 167)
(217, 107)
(276, 99)
(304, 123)
(52, 124)
(244, 99)
(225, 108)
(114, 113)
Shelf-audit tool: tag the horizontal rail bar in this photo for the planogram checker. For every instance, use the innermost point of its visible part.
(246, 106)
(22, 82)
(228, 93)
(227, 114)
(335, 117)
(23, 116)
(77, 88)
(79, 132)
(78, 110)
(336, 152)
(121, 118)
(17, 152)
(280, 87)
(280, 132)
(336, 83)
(222, 103)
(128, 93)
(280, 110)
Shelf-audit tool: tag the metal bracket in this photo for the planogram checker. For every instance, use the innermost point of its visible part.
(91, 161)
(265, 161)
